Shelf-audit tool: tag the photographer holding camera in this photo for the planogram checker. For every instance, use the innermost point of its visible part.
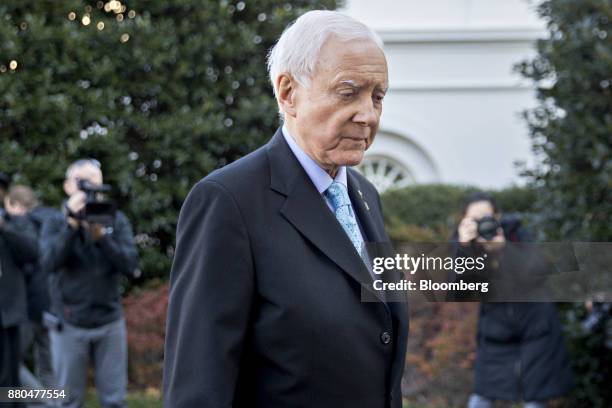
(520, 353)
(18, 248)
(86, 250)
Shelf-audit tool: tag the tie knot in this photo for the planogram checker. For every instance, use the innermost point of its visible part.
(338, 195)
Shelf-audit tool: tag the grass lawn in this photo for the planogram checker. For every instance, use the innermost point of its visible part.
(136, 399)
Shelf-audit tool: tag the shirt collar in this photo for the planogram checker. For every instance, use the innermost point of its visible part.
(319, 177)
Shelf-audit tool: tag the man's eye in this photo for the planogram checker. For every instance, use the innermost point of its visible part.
(378, 98)
(347, 94)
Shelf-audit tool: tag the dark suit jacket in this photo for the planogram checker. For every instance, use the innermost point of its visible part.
(265, 302)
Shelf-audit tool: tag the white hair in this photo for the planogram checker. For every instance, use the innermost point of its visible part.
(82, 163)
(297, 49)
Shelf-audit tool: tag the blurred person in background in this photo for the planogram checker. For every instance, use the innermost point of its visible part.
(33, 334)
(5, 182)
(520, 354)
(18, 247)
(86, 260)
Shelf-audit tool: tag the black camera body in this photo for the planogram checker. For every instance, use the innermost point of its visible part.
(487, 227)
(97, 210)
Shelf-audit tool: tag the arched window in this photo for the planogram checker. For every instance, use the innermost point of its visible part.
(396, 161)
(385, 172)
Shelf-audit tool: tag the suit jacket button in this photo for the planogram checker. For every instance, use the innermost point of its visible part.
(385, 337)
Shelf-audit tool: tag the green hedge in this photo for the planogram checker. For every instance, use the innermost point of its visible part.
(425, 213)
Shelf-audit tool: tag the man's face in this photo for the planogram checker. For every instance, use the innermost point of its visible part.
(337, 116)
(87, 172)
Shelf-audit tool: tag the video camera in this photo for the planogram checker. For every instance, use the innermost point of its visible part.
(97, 210)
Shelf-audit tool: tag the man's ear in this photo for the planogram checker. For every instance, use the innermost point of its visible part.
(286, 87)
(68, 187)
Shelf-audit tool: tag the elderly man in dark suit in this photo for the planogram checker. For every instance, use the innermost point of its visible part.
(266, 301)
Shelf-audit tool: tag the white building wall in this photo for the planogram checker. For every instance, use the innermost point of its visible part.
(453, 94)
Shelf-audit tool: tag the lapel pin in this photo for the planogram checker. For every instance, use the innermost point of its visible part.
(364, 201)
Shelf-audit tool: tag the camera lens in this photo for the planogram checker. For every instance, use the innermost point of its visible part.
(487, 227)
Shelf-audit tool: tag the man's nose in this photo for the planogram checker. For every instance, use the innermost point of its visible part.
(367, 115)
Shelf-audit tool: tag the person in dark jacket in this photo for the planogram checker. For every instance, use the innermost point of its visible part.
(520, 353)
(17, 248)
(33, 334)
(5, 182)
(86, 262)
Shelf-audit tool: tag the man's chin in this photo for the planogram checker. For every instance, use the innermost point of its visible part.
(350, 160)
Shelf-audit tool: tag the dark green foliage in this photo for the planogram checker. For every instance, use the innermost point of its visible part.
(423, 205)
(571, 130)
(161, 99)
(591, 360)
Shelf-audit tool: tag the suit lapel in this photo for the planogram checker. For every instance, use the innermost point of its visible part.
(307, 211)
(376, 240)
(362, 209)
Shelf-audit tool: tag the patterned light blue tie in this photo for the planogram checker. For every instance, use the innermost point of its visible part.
(337, 194)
